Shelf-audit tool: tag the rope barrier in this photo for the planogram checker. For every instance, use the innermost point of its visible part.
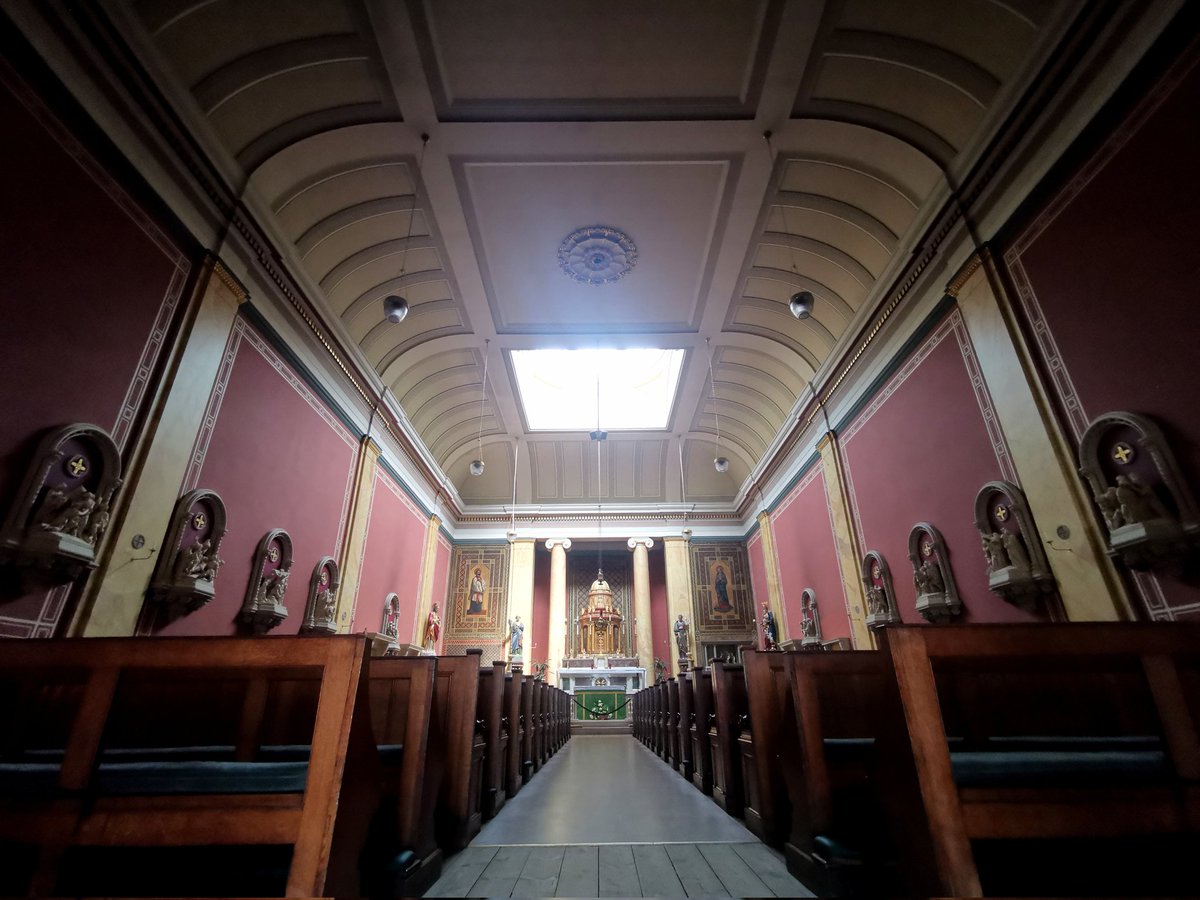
(575, 700)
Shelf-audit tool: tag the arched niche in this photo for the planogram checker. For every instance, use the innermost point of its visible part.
(189, 559)
(264, 608)
(880, 593)
(937, 591)
(320, 611)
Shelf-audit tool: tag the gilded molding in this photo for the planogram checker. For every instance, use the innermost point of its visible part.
(230, 281)
(963, 275)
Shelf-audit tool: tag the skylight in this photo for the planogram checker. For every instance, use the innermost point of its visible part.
(558, 388)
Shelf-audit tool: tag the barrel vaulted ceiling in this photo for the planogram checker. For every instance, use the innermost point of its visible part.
(544, 117)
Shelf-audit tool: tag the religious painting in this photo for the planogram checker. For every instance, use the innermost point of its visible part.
(476, 609)
(718, 571)
(722, 601)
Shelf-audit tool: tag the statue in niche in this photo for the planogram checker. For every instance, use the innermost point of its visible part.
(1137, 501)
(391, 617)
(681, 635)
(928, 578)
(516, 637)
(71, 513)
(326, 600)
(1014, 549)
(433, 628)
(769, 630)
(994, 552)
(274, 586)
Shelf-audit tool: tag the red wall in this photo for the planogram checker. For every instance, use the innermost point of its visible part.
(539, 650)
(807, 556)
(392, 556)
(1106, 275)
(90, 284)
(660, 614)
(279, 460)
(931, 475)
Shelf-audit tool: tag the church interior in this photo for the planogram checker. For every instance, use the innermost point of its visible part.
(723, 449)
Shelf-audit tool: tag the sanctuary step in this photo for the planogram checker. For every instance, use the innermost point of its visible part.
(604, 726)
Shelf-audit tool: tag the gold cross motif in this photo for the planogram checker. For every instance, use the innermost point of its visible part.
(927, 548)
(875, 573)
(1001, 512)
(77, 466)
(324, 576)
(1123, 453)
(273, 554)
(199, 521)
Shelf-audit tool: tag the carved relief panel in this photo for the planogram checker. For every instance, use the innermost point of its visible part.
(1016, 562)
(389, 627)
(320, 612)
(186, 570)
(880, 595)
(263, 608)
(1137, 487)
(810, 621)
(937, 592)
(64, 504)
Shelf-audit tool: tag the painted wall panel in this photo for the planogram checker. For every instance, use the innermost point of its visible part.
(931, 475)
(279, 459)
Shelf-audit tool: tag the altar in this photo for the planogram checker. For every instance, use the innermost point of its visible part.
(602, 666)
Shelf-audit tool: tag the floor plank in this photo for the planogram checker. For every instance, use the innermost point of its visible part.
(739, 879)
(500, 877)
(539, 878)
(655, 872)
(462, 871)
(618, 874)
(694, 873)
(580, 874)
(773, 872)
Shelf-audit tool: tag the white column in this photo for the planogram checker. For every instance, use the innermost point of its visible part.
(641, 603)
(558, 548)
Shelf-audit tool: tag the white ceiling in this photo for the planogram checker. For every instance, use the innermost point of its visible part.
(545, 117)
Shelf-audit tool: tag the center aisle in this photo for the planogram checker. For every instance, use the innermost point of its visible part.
(606, 817)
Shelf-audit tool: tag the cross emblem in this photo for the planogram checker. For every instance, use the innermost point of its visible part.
(324, 576)
(927, 548)
(77, 466)
(273, 554)
(1123, 453)
(875, 573)
(1001, 512)
(199, 521)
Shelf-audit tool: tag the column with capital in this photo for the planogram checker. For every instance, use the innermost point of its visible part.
(641, 603)
(558, 548)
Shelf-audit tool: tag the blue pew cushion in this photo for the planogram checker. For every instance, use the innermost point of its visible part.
(1059, 768)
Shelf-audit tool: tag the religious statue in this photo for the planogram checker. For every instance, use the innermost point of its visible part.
(516, 637)
(808, 622)
(276, 585)
(876, 600)
(769, 630)
(928, 578)
(327, 603)
(390, 626)
(478, 588)
(69, 512)
(721, 586)
(1138, 501)
(193, 561)
(681, 635)
(993, 550)
(660, 670)
(600, 710)
(433, 628)
(1014, 549)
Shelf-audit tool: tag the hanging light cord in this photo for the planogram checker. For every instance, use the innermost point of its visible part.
(599, 495)
(713, 393)
(516, 456)
(412, 213)
(483, 398)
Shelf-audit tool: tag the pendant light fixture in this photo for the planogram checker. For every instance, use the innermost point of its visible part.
(720, 463)
(800, 303)
(477, 464)
(395, 306)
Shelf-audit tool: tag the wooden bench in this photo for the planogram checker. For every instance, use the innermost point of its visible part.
(516, 733)
(490, 712)
(529, 727)
(1082, 731)
(700, 726)
(672, 691)
(457, 741)
(763, 745)
(82, 764)
(685, 726)
(730, 711)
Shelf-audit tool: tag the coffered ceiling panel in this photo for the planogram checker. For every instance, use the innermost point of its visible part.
(667, 59)
(520, 213)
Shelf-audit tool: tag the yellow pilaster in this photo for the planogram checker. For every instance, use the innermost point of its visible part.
(774, 593)
(118, 590)
(350, 557)
(558, 603)
(679, 598)
(1088, 584)
(848, 552)
(425, 595)
(520, 594)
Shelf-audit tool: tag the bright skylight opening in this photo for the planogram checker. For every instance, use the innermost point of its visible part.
(558, 388)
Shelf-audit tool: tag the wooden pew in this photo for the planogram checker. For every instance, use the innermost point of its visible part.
(516, 733)
(730, 710)
(84, 765)
(660, 719)
(539, 725)
(490, 712)
(529, 727)
(762, 745)
(401, 691)
(672, 691)
(1081, 730)
(456, 738)
(686, 715)
(703, 719)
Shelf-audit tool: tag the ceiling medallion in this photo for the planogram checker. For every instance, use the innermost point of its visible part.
(597, 254)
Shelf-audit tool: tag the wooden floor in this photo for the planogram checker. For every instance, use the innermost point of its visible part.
(618, 870)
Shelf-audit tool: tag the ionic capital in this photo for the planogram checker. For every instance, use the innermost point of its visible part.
(565, 543)
(634, 543)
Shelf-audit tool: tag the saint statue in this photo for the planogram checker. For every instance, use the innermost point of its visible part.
(391, 617)
(478, 587)
(721, 586)
(770, 632)
(516, 637)
(1014, 549)
(433, 628)
(681, 635)
(993, 549)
